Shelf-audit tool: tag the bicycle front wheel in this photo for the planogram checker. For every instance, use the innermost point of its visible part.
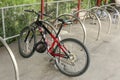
(78, 60)
(26, 42)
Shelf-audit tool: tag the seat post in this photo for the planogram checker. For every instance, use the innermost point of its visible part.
(60, 29)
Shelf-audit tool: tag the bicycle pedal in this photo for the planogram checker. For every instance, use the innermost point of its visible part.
(52, 61)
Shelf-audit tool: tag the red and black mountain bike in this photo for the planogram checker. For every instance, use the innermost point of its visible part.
(70, 55)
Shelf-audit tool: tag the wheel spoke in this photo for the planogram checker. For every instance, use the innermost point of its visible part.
(78, 60)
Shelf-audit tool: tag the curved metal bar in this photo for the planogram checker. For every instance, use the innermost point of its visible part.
(110, 20)
(109, 17)
(113, 8)
(12, 58)
(96, 7)
(87, 13)
(83, 27)
(114, 4)
(99, 28)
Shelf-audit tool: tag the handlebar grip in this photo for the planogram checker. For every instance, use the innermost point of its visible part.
(32, 11)
(29, 10)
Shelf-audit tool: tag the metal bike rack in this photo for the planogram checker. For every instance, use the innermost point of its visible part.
(113, 8)
(108, 14)
(99, 22)
(12, 58)
(113, 5)
(83, 27)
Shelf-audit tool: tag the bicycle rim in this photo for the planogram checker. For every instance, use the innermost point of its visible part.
(78, 62)
(26, 42)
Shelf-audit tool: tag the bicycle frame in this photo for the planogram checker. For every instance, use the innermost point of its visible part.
(51, 50)
(56, 41)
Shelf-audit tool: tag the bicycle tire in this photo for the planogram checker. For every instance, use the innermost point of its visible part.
(33, 40)
(68, 71)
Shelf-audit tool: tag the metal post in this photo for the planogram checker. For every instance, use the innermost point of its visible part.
(89, 4)
(106, 2)
(42, 8)
(57, 10)
(46, 7)
(99, 2)
(3, 23)
(79, 1)
(78, 7)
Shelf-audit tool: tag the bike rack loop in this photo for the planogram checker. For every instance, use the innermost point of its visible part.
(115, 11)
(12, 58)
(83, 26)
(88, 11)
(109, 17)
(116, 4)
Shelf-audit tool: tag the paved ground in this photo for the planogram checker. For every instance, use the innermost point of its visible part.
(104, 60)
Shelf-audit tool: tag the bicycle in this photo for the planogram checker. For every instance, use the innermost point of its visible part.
(65, 58)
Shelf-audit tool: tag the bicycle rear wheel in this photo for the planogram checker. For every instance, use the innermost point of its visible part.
(26, 42)
(78, 60)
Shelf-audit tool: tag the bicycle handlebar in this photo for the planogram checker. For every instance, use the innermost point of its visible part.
(37, 13)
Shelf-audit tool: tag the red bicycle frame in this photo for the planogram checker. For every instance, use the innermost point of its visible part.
(56, 41)
(40, 25)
